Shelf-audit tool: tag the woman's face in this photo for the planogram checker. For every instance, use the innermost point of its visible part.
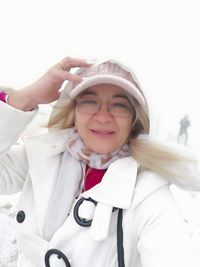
(107, 129)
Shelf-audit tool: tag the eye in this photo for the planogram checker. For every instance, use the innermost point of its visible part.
(87, 102)
(121, 105)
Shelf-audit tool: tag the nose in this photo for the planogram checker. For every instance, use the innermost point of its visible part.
(103, 115)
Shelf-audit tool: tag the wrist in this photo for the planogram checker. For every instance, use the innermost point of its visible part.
(18, 99)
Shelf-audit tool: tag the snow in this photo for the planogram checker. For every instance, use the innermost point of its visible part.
(8, 248)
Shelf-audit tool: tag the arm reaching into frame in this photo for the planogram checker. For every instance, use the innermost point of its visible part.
(46, 89)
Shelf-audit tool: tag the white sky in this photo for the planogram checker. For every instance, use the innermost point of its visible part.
(158, 38)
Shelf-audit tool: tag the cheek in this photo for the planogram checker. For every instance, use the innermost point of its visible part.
(81, 123)
(126, 127)
(78, 121)
(125, 132)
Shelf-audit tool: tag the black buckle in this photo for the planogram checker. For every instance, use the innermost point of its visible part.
(60, 256)
(81, 221)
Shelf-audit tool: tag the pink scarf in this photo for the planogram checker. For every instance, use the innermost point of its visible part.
(77, 149)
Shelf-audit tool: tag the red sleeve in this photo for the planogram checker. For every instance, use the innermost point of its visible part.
(3, 97)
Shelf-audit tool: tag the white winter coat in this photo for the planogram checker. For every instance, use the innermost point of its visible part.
(154, 232)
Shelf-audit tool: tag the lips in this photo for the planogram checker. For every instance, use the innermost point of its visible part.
(102, 133)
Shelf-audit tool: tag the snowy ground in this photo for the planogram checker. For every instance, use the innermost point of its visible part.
(8, 249)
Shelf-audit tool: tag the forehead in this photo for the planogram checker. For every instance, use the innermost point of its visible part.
(105, 90)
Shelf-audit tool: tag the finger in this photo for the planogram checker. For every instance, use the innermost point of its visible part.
(68, 63)
(70, 77)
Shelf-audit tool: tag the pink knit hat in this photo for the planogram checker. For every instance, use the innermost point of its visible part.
(104, 72)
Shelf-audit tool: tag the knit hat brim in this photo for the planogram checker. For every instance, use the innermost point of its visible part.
(129, 87)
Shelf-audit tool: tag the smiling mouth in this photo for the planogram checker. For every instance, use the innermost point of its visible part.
(102, 133)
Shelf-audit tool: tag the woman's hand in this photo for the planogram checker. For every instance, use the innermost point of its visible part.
(46, 89)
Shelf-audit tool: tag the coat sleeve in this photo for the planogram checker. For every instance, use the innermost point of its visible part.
(163, 239)
(13, 160)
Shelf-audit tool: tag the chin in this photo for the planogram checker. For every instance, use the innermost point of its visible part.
(102, 150)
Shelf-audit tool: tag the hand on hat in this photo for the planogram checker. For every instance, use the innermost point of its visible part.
(46, 89)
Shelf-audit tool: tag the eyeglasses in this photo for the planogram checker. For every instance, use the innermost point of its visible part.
(118, 109)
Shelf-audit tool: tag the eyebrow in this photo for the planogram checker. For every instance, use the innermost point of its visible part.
(121, 96)
(88, 93)
(114, 96)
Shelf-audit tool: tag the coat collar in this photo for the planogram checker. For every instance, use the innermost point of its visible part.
(117, 188)
(44, 154)
(44, 157)
(122, 188)
(45, 146)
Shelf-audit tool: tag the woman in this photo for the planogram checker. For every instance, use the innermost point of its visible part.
(95, 188)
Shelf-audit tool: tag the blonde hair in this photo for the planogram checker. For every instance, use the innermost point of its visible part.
(149, 153)
(62, 117)
(152, 154)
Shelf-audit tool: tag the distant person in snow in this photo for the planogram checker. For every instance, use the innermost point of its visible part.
(183, 131)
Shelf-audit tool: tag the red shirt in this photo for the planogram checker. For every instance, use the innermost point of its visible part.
(92, 177)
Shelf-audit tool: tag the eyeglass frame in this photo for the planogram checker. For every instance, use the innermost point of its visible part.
(99, 106)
